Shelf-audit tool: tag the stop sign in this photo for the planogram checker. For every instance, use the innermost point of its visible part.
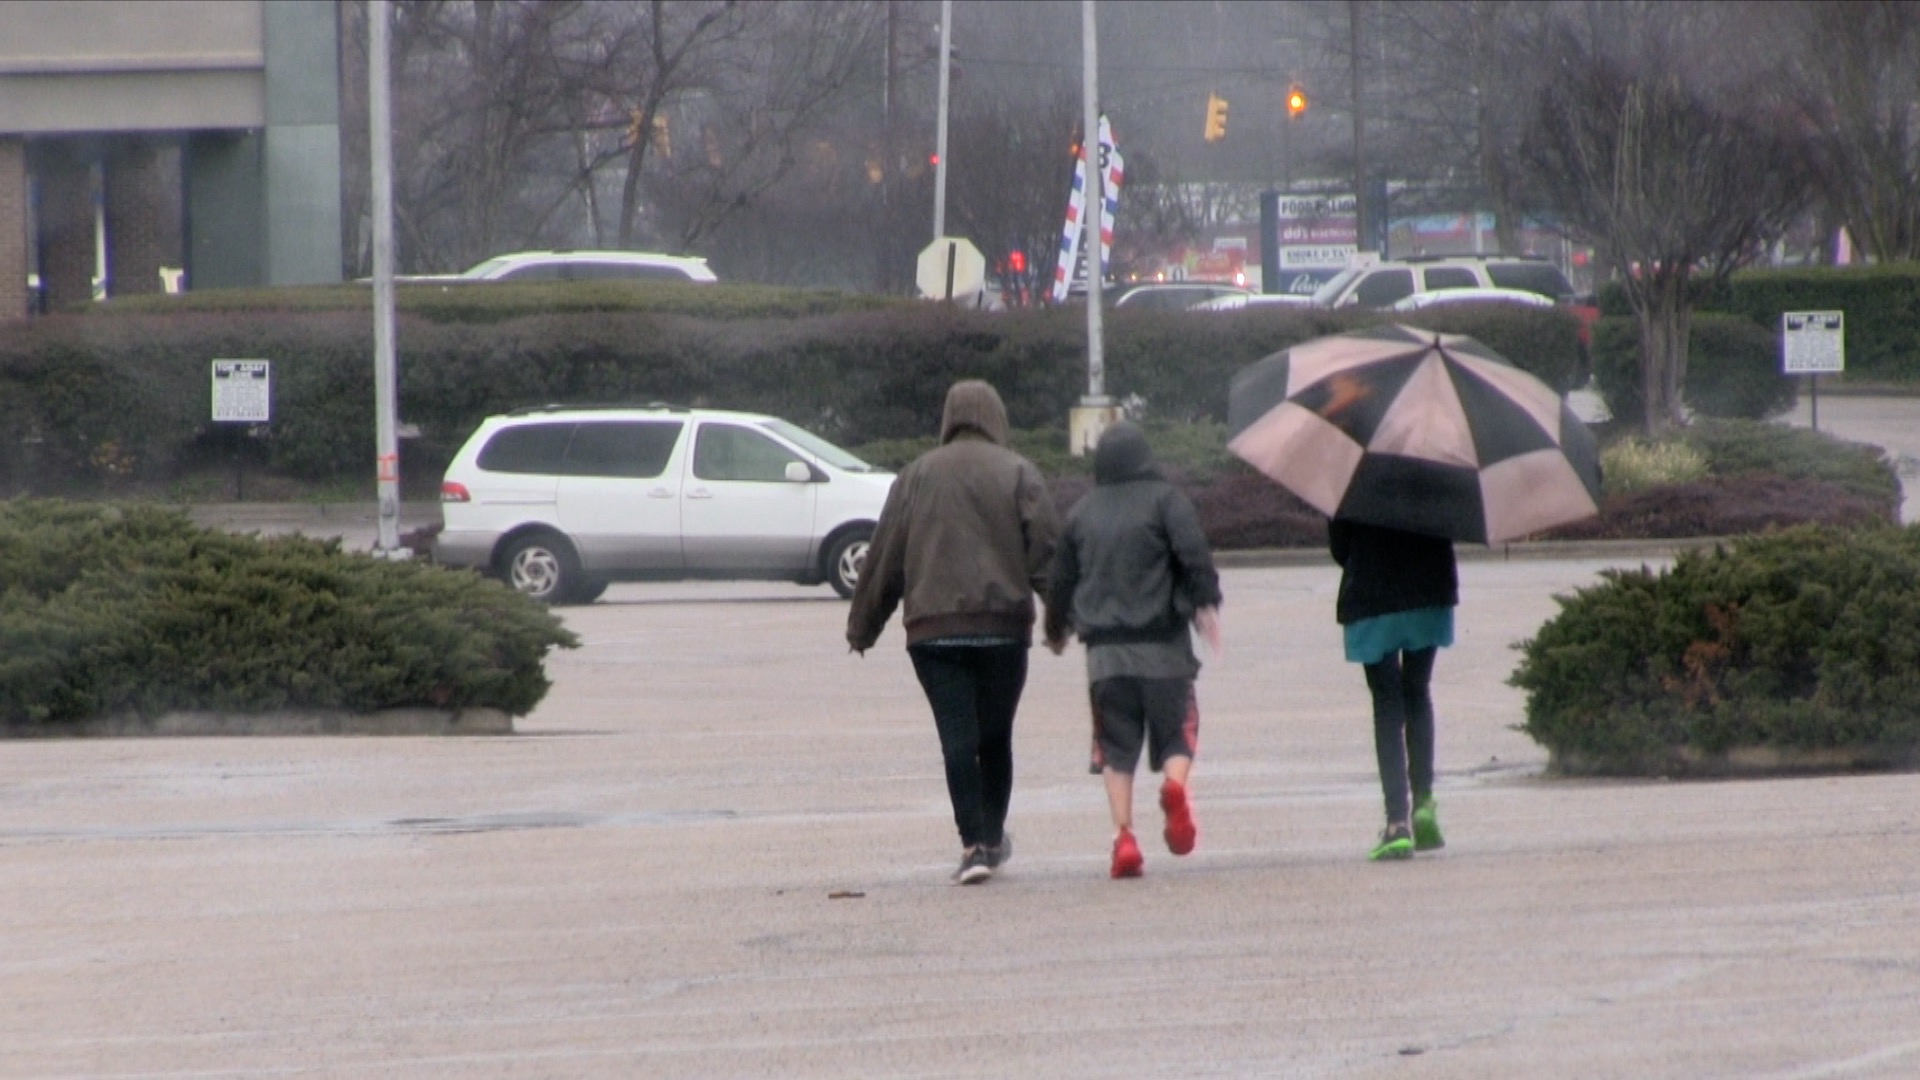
(950, 267)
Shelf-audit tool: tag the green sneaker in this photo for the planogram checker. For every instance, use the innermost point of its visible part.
(1396, 842)
(1426, 825)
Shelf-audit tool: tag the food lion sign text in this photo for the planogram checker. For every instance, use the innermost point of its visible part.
(242, 391)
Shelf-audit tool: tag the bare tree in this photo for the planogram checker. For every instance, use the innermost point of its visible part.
(1652, 158)
(1856, 87)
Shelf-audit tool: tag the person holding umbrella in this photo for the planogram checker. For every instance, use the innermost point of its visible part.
(1397, 594)
(1132, 573)
(1409, 440)
(964, 542)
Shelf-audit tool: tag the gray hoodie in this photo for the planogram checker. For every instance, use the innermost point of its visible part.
(1133, 564)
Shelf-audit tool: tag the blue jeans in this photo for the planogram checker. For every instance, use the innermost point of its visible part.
(1403, 728)
(974, 690)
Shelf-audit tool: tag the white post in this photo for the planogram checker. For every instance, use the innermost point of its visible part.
(1096, 412)
(940, 136)
(380, 137)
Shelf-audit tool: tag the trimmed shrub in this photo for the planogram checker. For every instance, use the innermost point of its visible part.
(1881, 302)
(100, 401)
(1800, 640)
(1733, 447)
(110, 610)
(1733, 369)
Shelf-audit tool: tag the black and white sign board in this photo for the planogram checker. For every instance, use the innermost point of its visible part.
(1812, 342)
(242, 391)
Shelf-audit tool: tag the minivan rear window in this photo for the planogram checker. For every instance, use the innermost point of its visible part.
(526, 448)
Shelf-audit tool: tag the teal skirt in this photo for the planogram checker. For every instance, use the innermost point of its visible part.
(1370, 641)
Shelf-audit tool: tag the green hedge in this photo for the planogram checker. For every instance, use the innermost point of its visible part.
(1733, 368)
(1806, 639)
(97, 401)
(1881, 302)
(136, 610)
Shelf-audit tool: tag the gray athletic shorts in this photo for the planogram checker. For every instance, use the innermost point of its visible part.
(1129, 711)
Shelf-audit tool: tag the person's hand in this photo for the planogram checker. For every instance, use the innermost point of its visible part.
(1057, 645)
(1207, 622)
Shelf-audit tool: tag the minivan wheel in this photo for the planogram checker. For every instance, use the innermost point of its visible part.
(542, 566)
(844, 560)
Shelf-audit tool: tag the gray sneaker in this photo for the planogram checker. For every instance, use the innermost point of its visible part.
(975, 867)
(998, 854)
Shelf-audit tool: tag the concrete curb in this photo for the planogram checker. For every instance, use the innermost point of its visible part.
(279, 722)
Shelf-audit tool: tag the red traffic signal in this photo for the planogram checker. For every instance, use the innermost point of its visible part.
(1017, 261)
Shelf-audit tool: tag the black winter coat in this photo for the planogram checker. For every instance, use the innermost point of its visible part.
(1386, 570)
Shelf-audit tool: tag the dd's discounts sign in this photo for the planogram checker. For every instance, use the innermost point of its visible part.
(242, 391)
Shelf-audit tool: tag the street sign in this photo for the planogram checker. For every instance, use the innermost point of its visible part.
(949, 268)
(1812, 342)
(242, 391)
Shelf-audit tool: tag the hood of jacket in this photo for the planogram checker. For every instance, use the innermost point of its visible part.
(1123, 454)
(974, 405)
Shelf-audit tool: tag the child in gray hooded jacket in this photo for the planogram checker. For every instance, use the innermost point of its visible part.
(1133, 570)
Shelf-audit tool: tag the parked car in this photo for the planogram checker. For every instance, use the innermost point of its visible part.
(590, 266)
(1384, 284)
(558, 501)
(1173, 295)
(1237, 302)
(1471, 296)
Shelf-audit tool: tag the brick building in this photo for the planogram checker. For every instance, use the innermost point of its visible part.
(148, 140)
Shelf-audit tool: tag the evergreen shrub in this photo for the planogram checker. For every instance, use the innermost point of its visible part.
(113, 610)
(1802, 641)
(89, 403)
(1733, 369)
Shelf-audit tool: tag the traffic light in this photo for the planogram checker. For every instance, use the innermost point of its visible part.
(1296, 100)
(1216, 118)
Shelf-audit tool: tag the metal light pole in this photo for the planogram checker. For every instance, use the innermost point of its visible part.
(940, 136)
(1096, 212)
(1096, 412)
(380, 134)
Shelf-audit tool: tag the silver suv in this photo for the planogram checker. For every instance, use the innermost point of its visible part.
(560, 500)
(1383, 284)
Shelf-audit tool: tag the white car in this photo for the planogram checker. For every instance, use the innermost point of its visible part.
(1237, 302)
(590, 266)
(558, 501)
(1471, 296)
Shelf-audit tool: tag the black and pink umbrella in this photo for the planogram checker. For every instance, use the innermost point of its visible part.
(1431, 433)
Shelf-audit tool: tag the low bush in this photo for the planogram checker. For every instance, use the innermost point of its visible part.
(1733, 369)
(135, 610)
(1805, 639)
(1733, 447)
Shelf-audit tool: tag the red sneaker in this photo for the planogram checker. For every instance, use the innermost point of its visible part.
(1181, 831)
(1127, 860)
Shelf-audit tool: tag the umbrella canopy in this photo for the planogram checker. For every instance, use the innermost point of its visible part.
(1431, 433)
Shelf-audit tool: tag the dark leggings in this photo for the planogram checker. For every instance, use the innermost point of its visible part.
(974, 690)
(1403, 728)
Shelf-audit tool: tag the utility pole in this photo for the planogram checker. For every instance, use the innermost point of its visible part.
(1362, 227)
(385, 382)
(883, 269)
(1096, 412)
(940, 136)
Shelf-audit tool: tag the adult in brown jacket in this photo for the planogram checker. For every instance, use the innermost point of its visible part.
(964, 543)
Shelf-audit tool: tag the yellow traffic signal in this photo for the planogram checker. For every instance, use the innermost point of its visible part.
(1296, 100)
(1216, 118)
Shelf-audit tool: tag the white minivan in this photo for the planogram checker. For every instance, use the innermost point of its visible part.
(558, 501)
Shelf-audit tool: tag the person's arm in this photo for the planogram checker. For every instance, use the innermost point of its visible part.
(1064, 580)
(1039, 526)
(1339, 540)
(1192, 557)
(883, 575)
